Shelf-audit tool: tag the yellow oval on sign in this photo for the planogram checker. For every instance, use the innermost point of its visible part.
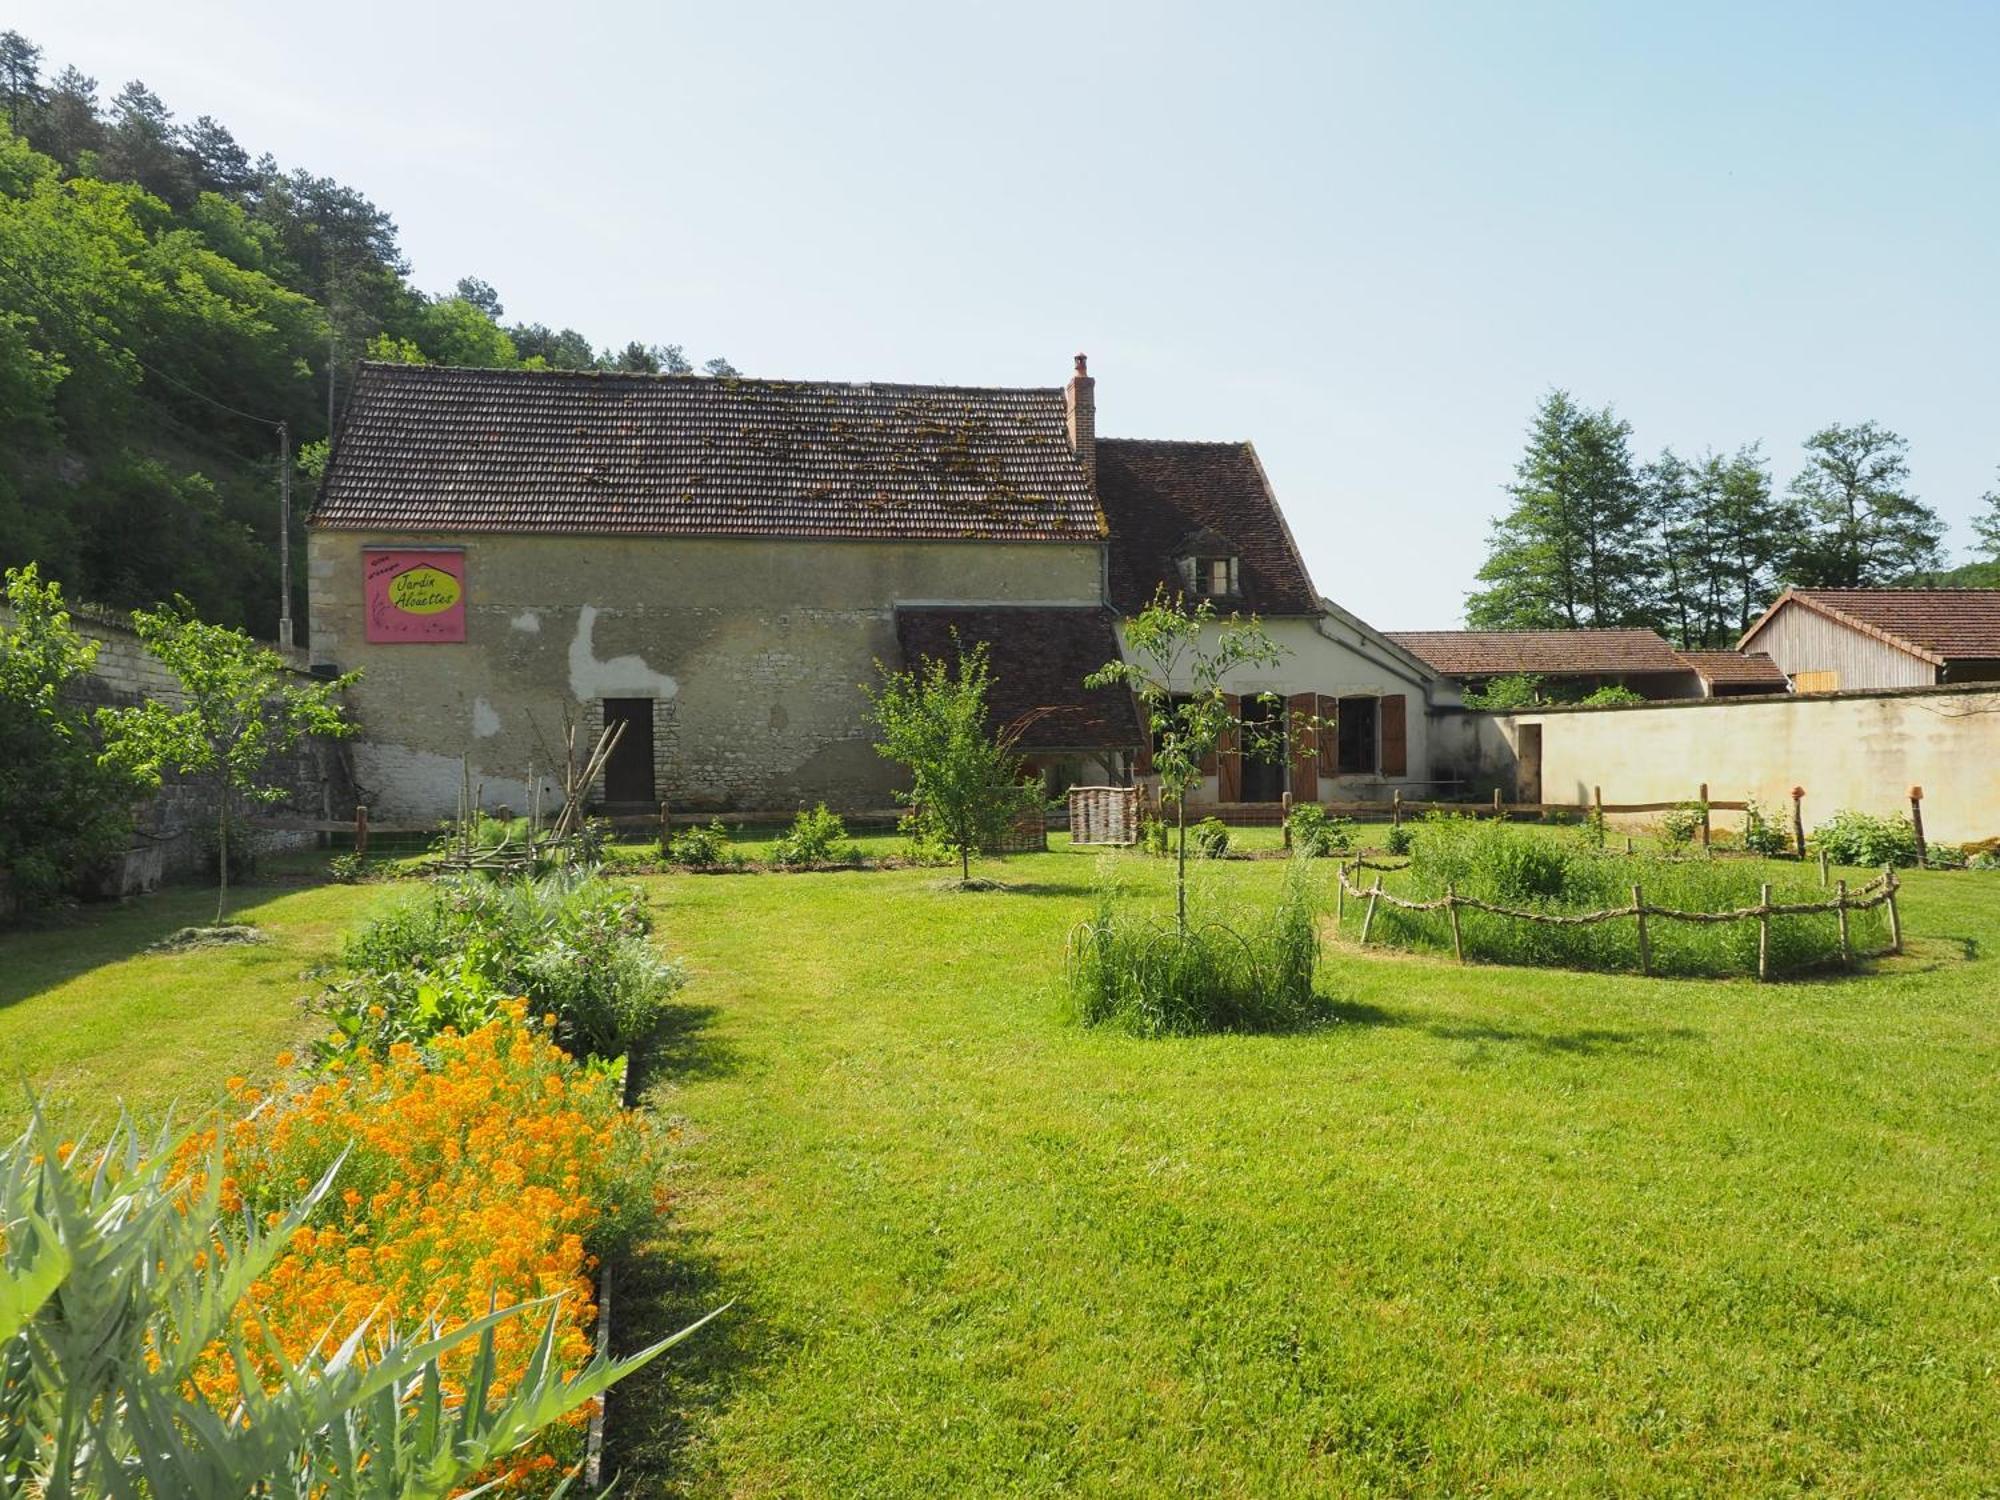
(423, 591)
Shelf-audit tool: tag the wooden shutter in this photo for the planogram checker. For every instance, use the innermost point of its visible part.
(1229, 762)
(1395, 737)
(1303, 746)
(1329, 736)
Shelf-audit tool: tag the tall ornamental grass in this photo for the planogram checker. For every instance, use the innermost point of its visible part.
(1559, 874)
(1233, 968)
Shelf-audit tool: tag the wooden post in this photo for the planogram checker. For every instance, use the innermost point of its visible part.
(1799, 819)
(1451, 910)
(1628, 843)
(1368, 918)
(1764, 933)
(1496, 803)
(1895, 919)
(1917, 822)
(1645, 948)
(1396, 807)
(1285, 812)
(1597, 810)
(1339, 894)
(1704, 814)
(666, 826)
(360, 830)
(1822, 869)
(1840, 907)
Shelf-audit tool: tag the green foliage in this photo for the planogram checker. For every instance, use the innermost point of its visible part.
(64, 806)
(1515, 690)
(1211, 838)
(118, 1277)
(701, 848)
(966, 784)
(1155, 837)
(1611, 695)
(241, 706)
(816, 837)
(1315, 833)
(1722, 540)
(1986, 525)
(1535, 870)
(570, 943)
(921, 843)
(346, 869)
(1853, 838)
(1571, 552)
(1864, 528)
(1763, 836)
(1233, 969)
(1680, 824)
(1399, 839)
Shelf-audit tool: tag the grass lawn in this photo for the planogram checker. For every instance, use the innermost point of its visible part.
(90, 1017)
(1495, 1231)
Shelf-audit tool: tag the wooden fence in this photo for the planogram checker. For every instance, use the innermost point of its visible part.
(1104, 815)
(1881, 891)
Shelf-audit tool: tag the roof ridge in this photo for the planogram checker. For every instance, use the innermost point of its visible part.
(1180, 442)
(695, 377)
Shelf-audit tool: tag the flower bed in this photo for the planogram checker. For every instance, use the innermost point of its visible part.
(488, 1170)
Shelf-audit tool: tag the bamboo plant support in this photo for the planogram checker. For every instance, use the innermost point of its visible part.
(1451, 911)
(1764, 933)
(1645, 948)
(1368, 918)
(1846, 950)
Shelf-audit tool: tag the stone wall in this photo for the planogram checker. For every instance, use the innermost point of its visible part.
(752, 652)
(1861, 750)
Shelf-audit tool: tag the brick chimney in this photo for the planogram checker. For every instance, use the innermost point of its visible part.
(1080, 407)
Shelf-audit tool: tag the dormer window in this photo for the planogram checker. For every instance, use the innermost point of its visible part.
(1210, 576)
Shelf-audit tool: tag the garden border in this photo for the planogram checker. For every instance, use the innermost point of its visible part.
(1880, 891)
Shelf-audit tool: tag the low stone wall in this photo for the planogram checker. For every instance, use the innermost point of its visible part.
(1862, 751)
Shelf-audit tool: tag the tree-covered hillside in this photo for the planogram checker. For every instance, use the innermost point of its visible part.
(166, 300)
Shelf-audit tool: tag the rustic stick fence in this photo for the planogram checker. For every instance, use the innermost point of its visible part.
(1881, 891)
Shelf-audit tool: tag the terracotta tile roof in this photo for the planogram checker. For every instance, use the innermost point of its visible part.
(1737, 669)
(1039, 659)
(432, 449)
(1159, 495)
(1939, 625)
(1551, 653)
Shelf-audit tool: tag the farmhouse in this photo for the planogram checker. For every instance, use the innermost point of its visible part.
(719, 564)
(1844, 640)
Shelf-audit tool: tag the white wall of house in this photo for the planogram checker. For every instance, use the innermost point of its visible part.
(1336, 657)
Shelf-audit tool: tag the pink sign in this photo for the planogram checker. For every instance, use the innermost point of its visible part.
(413, 595)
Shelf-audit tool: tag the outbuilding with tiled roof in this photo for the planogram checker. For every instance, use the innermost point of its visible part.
(1579, 661)
(1846, 640)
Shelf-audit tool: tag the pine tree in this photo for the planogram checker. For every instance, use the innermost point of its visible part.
(1573, 552)
(1863, 530)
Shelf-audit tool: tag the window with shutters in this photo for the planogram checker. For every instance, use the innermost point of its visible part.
(1358, 736)
(1816, 682)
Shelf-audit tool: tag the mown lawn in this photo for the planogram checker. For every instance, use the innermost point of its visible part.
(1493, 1231)
(90, 1018)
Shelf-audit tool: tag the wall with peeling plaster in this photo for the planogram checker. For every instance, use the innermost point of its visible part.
(752, 650)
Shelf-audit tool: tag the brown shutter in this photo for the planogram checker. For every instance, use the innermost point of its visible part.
(1329, 736)
(1229, 763)
(1395, 737)
(1303, 746)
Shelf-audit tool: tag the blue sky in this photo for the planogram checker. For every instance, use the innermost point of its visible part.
(1367, 237)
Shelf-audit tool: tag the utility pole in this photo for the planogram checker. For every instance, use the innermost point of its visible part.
(285, 536)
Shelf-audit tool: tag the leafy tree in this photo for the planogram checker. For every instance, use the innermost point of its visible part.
(1863, 528)
(20, 76)
(1721, 541)
(1572, 552)
(242, 705)
(453, 331)
(565, 350)
(67, 124)
(142, 146)
(719, 367)
(1514, 690)
(64, 807)
(1183, 657)
(1986, 524)
(966, 784)
(481, 295)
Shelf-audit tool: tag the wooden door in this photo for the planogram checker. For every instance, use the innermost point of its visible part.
(628, 775)
(1528, 770)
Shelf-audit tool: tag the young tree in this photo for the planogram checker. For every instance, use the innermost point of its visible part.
(63, 806)
(1865, 530)
(965, 781)
(242, 705)
(1572, 551)
(1986, 524)
(1183, 657)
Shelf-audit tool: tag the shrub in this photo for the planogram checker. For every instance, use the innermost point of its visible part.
(571, 943)
(1761, 835)
(922, 843)
(1154, 837)
(1228, 971)
(1316, 834)
(346, 869)
(1210, 837)
(816, 837)
(1679, 826)
(1611, 695)
(142, 1282)
(1399, 839)
(1852, 838)
(700, 847)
